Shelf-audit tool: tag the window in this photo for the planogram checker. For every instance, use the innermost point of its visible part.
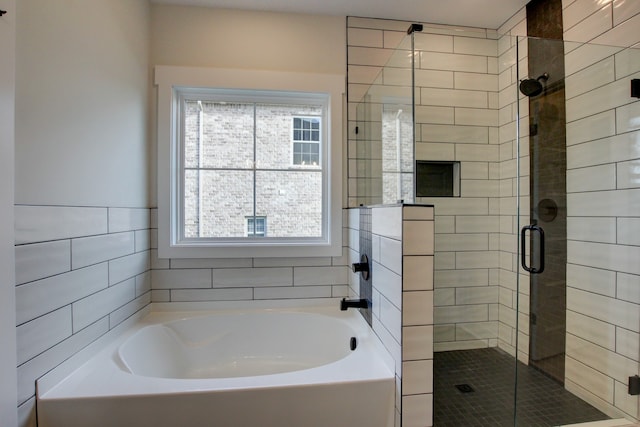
(256, 226)
(228, 158)
(235, 156)
(306, 141)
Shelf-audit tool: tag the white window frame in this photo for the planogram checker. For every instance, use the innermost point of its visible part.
(169, 80)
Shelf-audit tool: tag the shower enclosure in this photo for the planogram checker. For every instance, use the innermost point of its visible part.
(529, 149)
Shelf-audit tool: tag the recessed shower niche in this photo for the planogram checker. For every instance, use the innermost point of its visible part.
(437, 179)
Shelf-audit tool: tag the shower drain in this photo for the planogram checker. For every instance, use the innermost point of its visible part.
(465, 388)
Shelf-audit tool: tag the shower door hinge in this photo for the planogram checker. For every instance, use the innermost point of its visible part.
(634, 385)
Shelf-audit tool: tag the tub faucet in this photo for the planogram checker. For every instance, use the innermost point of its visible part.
(355, 303)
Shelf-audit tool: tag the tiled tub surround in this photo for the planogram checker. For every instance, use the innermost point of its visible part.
(80, 271)
(84, 270)
(200, 280)
(402, 278)
(238, 279)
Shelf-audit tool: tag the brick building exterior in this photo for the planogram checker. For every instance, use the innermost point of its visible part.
(223, 142)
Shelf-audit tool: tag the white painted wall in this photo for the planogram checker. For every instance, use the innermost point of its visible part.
(8, 392)
(206, 37)
(81, 113)
(81, 154)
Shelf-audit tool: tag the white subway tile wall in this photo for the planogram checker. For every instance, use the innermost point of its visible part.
(603, 278)
(80, 272)
(403, 296)
(417, 314)
(457, 119)
(512, 60)
(603, 317)
(236, 279)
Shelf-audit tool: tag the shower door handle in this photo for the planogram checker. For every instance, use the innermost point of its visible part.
(523, 250)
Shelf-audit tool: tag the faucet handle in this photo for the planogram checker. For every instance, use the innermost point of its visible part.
(359, 266)
(362, 267)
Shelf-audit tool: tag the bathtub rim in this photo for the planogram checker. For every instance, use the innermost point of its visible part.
(175, 311)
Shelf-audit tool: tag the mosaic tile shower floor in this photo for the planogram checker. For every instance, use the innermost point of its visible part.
(542, 402)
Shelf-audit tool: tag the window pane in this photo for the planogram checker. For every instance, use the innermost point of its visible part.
(220, 136)
(217, 202)
(306, 153)
(276, 125)
(273, 134)
(309, 131)
(292, 201)
(191, 126)
(191, 203)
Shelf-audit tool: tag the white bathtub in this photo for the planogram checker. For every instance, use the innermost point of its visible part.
(258, 367)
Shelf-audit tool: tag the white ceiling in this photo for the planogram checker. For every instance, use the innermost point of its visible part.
(475, 13)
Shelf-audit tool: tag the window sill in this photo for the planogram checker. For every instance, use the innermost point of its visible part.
(255, 250)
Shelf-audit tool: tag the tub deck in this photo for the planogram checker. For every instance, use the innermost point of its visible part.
(357, 390)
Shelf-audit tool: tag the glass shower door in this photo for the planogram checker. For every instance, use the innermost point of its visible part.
(547, 205)
(580, 239)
